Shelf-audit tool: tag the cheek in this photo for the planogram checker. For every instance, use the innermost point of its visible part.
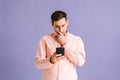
(65, 28)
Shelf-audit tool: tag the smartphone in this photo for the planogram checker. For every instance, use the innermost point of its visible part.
(60, 50)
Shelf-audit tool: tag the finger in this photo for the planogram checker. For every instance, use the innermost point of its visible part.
(58, 55)
(60, 33)
(54, 53)
(60, 58)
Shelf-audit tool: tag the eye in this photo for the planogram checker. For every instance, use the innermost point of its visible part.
(57, 26)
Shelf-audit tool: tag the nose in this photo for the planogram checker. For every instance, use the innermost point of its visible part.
(60, 29)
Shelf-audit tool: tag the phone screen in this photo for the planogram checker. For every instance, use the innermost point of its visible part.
(60, 50)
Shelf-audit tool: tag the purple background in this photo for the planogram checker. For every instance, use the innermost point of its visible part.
(24, 22)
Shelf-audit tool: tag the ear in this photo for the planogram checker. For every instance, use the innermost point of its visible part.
(52, 24)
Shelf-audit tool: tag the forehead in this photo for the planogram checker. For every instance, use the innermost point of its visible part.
(60, 22)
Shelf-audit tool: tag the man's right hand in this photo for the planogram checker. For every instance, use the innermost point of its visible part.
(56, 57)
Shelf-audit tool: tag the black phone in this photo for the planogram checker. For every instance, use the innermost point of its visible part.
(60, 50)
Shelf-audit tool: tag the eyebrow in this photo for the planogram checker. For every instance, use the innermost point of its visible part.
(57, 25)
(61, 25)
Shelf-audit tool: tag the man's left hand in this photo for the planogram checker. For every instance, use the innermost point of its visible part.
(61, 39)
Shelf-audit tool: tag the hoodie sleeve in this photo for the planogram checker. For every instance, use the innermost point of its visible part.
(41, 62)
(75, 54)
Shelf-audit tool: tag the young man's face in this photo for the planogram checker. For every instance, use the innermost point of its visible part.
(60, 25)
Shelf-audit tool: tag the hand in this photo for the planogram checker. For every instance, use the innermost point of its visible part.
(56, 57)
(61, 39)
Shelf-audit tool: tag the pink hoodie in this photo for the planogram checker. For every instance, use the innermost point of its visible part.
(64, 69)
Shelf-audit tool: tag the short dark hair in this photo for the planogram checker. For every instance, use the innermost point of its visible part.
(57, 15)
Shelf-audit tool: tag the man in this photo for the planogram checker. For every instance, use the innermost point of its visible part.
(57, 66)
